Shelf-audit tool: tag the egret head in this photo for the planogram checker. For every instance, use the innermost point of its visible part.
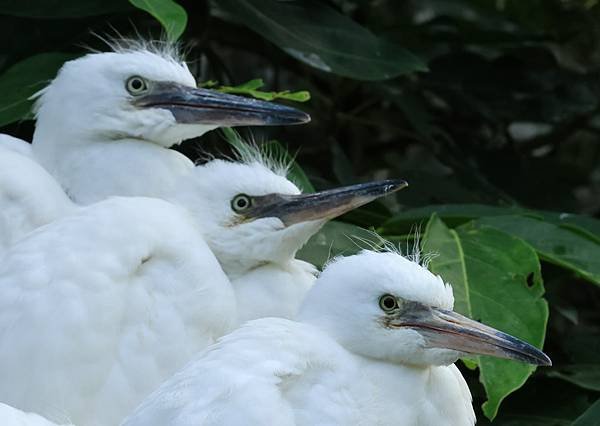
(144, 93)
(384, 306)
(252, 215)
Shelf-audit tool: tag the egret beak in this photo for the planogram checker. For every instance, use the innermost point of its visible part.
(325, 205)
(190, 105)
(447, 329)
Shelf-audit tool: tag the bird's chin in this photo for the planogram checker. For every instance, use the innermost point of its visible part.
(287, 240)
(178, 132)
(301, 232)
(440, 356)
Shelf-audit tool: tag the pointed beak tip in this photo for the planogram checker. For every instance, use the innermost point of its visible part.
(397, 185)
(545, 361)
(289, 116)
(304, 118)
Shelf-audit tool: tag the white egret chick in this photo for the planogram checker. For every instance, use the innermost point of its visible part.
(101, 306)
(10, 416)
(108, 117)
(374, 344)
(254, 220)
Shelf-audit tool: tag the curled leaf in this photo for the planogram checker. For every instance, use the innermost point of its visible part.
(251, 87)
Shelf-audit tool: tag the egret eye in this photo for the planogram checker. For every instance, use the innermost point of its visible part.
(136, 85)
(241, 202)
(388, 303)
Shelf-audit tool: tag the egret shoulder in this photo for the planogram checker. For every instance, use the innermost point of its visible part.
(29, 196)
(15, 144)
(255, 376)
(10, 416)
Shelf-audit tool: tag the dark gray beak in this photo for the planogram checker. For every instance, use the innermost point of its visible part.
(190, 105)
(447, 329)
(323, 205)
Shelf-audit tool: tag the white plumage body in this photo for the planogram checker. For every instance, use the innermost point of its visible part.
(16, 145)
(338, 364)
(273, 290)
(98, 308)
(279, 372)
(10, 416)
(29, 196)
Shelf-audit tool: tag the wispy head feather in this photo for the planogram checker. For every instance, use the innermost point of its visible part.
(413, 252)
(166, 49)
(248, 151)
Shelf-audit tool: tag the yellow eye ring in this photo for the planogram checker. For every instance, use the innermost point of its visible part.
(136, 85)
(388, 303)
(241, 202)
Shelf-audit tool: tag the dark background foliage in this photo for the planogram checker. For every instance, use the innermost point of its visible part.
(475, 103)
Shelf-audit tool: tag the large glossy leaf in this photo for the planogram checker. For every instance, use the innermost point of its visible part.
(61, 8)
(581, 367)
(555, 243)
(451, 214)
(496, 280)
(22, 80)
(171, 15)
(457, 214)
(321, 37)
(336, 239)
(591, 417)
(584, 225)
(541, 402)
(586, 376)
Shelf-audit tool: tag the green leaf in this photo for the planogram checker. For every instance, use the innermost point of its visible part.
(568, 240)
(584, 225)
(61, 9)
(257, 83)
(24, 79)
(496, 280)
(321, 37)
(452, 214)
(251, 88)
(171, 15)
(555, 244)
(581, 366)
(591, 416)
(470, 363)
(336, 239)
(541, 402)
(586, 376)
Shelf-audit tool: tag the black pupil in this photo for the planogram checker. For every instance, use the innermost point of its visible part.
(388, 302)
(242, 203)
(136, 84)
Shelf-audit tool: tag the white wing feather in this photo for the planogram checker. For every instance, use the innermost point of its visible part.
(29, 196)
(98, 308)
(10, 416)
(261, 374)
(16, 145)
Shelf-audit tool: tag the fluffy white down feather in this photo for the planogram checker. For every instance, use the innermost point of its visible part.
(98, 308)
(10, 416)
(280, 372)
(15, 144)
(29, 196)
